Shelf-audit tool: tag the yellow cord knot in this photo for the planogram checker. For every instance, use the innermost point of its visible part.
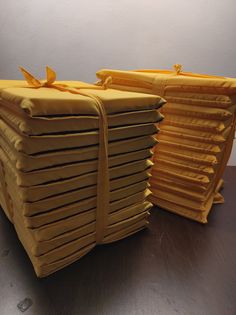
(50, 83)
(33, 82)
(107, 82)
(178, 68)
(104, 85)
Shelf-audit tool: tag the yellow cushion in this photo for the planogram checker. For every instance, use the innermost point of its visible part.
(39, 144)
(81, 206)
(196, 135)
(68, 182)
(119, 151)
(51, 102)
(67, 124)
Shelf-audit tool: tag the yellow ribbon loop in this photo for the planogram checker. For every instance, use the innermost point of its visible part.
(49, 82)
(177, 68)
(51, 78)
(103, 182)
(104, 84)
(107, 82)
(30, 79)
(33, 82)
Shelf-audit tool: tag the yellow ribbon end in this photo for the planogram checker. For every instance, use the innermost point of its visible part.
(51, 75)
(107, 82)
(30, 79)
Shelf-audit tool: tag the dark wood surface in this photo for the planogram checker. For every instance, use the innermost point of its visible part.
(176, 267)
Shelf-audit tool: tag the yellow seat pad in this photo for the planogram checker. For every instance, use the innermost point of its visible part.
(50, 175)
(124, 151)
(80, 206)
(67, 124)
(39, 144)
(195, 138)
(195, 135)
(198, 111)
(51, 102)
(188, 154)
(68, 254)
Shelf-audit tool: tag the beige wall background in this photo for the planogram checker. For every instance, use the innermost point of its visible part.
(78, 37)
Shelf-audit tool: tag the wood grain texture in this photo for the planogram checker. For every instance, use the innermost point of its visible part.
(176, 267)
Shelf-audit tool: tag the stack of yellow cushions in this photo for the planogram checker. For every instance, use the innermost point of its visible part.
(196, 136)
(66, 184)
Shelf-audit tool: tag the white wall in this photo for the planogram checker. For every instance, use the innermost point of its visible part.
(77, 37)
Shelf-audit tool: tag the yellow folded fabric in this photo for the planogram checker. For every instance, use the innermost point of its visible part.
(120, 176)
(65, 255)
(39, 144)
(124, 150)
(69, 124)
(74, 165)
(196, 135)
(32, 101)
(81, 206)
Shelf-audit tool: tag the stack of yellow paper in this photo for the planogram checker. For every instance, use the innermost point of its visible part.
(196, 136)
(74, 167)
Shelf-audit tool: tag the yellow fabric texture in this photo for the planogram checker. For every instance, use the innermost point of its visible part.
(75, 164)
(196, 135)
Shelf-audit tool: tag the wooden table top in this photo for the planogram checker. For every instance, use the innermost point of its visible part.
(176, 267)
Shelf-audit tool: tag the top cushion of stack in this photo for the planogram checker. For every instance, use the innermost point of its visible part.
(196, 135)
(53, 170)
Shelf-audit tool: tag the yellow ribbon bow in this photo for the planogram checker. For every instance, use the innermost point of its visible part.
(51, 78)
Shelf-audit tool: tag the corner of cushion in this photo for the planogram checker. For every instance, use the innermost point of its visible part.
(149, 163)
(203, 221)
(18, 145)
(162, 101)
(27, 105)
(156, 101)
(24, 127)
(101, 73)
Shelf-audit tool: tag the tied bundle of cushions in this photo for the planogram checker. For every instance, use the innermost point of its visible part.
(196, 135)
(74, 165)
